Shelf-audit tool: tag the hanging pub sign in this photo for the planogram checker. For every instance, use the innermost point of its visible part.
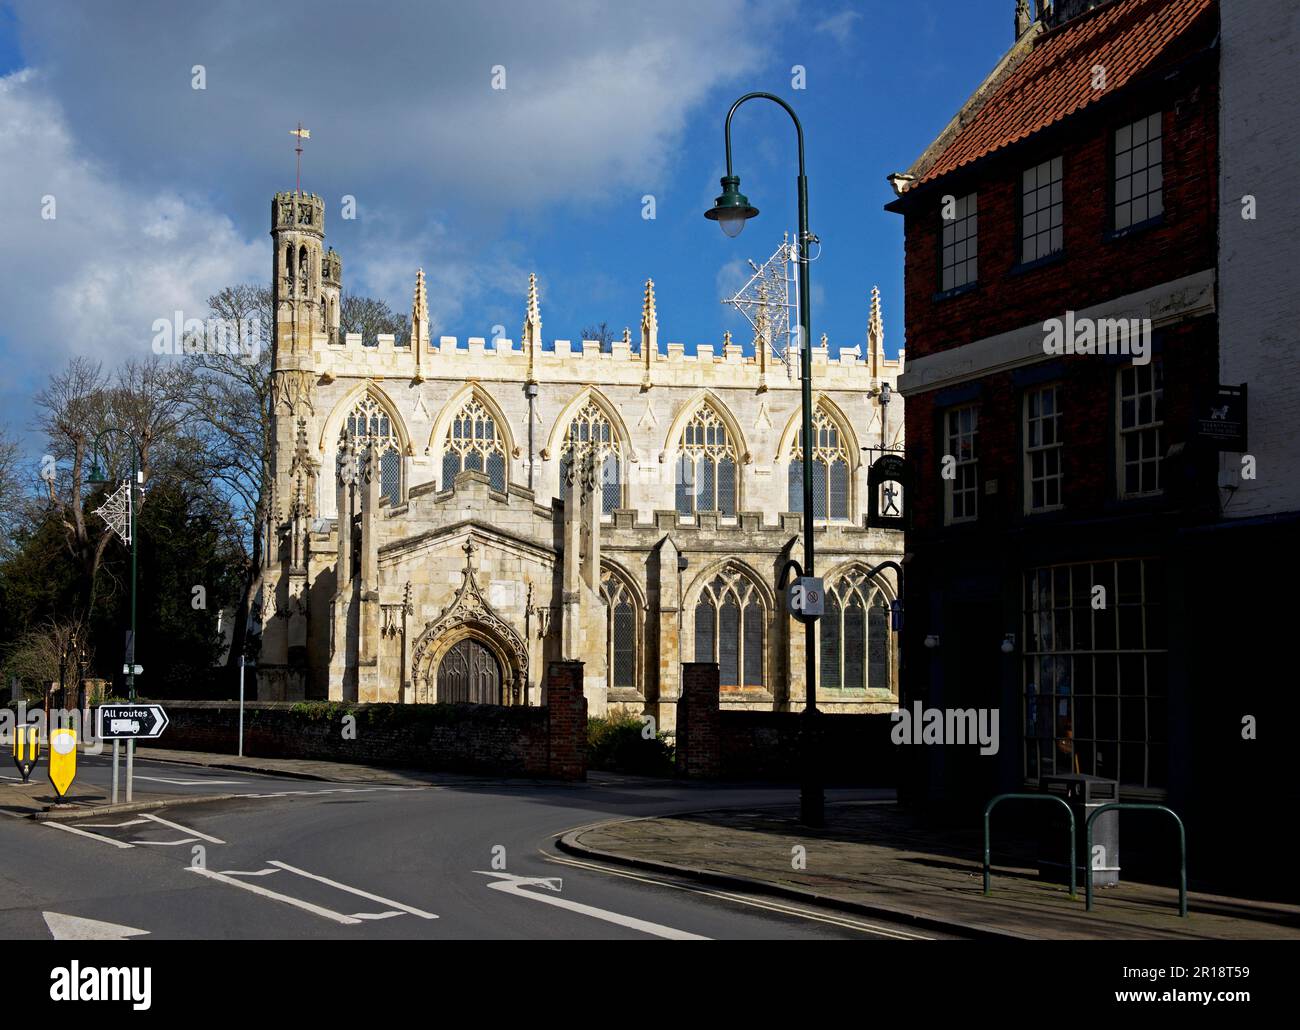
(887, 483)
(1221, 420)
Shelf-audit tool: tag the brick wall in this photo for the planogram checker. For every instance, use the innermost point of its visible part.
(480, 739)
(746, 745)
(1089, 427)
(1093, 268)
(698, 743)
(566, 712)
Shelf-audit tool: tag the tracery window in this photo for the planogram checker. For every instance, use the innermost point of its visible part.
(474, 443)
(620, 632)
(856, 648)
(368, 422)
(592, 429)
(729, 624)
(830, 468)
(706, 466)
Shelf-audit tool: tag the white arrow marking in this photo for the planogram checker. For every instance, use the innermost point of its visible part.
(185, 829)
(190, 783)
(326, 913)
(354, 890)
(75, 928)
(93, 836)
(510, 884)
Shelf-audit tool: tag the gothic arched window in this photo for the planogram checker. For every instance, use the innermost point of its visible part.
(830, 469)
(706, 466)
(368, 422)
(620, 632)
(729, 622)
(474, 443)
(591, 429)
(856, 647)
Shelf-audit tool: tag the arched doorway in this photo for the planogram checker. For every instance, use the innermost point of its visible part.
(469, 672)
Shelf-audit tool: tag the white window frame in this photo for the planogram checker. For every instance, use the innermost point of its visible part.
(1042, 227)
(1137, 162)
(959, 235)
(1154, 426)
(953, 437)
(1031, 449)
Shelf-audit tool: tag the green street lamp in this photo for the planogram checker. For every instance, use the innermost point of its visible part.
(98, 477)
(731, 210)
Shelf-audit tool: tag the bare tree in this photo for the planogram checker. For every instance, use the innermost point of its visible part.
(370, 317)
(232, 406)
(149, 400)
(11, 491)
(601, 332)
(54, 655)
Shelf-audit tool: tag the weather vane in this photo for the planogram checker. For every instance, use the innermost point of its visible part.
(302, 134)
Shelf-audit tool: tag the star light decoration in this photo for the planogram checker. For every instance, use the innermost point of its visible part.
(116, 511)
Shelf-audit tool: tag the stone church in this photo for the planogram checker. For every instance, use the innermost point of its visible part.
(447, 519)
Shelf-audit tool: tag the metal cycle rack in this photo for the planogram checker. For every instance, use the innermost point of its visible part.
(1182, 850)
(1071, 860)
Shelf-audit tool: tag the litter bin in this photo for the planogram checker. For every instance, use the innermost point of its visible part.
(1084, 794)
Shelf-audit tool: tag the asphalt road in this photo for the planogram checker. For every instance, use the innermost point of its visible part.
(311, 859)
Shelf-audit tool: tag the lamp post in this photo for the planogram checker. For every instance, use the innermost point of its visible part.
(96, 476)
(731, 210)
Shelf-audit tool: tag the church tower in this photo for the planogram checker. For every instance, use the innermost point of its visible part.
(299, 275)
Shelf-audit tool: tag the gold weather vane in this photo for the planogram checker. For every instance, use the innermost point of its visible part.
(302, 134)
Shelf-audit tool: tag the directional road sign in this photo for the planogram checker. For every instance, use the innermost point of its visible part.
(130, 722)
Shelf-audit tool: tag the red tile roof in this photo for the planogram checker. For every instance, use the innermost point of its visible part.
(1054, 79)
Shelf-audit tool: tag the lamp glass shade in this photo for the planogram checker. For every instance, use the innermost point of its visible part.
(732, 222)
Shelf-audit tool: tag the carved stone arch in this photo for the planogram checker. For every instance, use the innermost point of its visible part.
(333, 426)
(884, 584)
(843, 582)
(636, 595)
(725, 565)
(469, 615)
(555, 441)
(697, 400)
(758, 589)
(836, 415)
(471, 391)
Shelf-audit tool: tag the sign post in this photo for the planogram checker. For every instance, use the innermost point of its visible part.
(63, 759)
(129, 723)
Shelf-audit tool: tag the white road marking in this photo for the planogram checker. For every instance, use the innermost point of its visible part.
(93, 836)
(77, 928)
(166, 843)
(354, 890)
(772, 906)
(190, 783)
(228, 877)
(115, 826)
(184, 829)
(509, 884)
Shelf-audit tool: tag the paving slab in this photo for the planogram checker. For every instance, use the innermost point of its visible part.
(879, 859)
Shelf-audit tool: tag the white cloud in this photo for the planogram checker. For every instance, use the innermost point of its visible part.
(839, 26)
(92, 279)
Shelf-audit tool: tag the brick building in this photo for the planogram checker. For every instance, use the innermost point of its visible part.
(1063, 343)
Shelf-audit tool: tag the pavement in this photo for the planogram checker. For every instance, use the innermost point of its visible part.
(877, 860)
(286, 847)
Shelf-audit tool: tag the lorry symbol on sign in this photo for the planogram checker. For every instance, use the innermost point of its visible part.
(131, 726)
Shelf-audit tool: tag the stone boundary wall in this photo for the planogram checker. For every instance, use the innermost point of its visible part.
(491, 740)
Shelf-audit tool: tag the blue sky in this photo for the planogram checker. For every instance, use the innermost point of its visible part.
(163, 191)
